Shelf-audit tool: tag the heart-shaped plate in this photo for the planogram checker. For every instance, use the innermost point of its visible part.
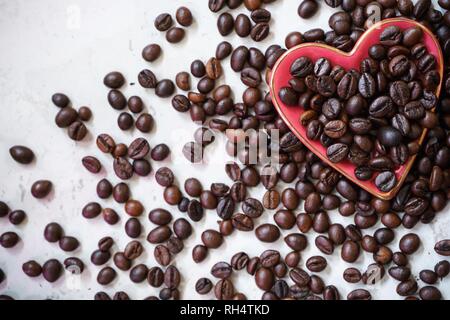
(348, 60)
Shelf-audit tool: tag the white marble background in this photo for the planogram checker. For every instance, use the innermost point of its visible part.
(69, 45)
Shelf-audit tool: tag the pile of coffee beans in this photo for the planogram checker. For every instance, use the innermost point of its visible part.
(164, 23)
(374, 116)
(68, 117)
(300, 192)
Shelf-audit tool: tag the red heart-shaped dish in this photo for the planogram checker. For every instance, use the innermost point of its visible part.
(349, 60)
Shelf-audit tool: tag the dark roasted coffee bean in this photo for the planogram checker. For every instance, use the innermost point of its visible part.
(260, 31)
(203, 286)
(21, 154)
(337, 152)
(32, 269)
(242, 25)
(106, 276)
(212, 239)
(52, 270)
(307, 8)
(100, 257)
(352, 275)
(302, 67)
(40, 189)
(163, 22)
(16, 217)
(60, 100)
(65, 117)
(443, 248)
(386, 181)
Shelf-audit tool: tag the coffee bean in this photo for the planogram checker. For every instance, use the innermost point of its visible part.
(9, 240)
(92, 164)
(337, 152)
(184, 16)
(430, 293)
(302, 67)
(442, 248)
(264, 279)
(307, 8)
(199, 253)
(224, 290)
(409, 243)
(114, 80)
(60, 100)
(359, 294)
(106, 276)
(212, 239)
(163, 22)
(21, 154)
(203, 286)
(260, 31)
(41, 189)
(242, 26)
(52, 270)
(442, 269)
(16, 217)
(267, 233)
(68, 244)
(242, 222)
(225, 24)
(223, 50)
(221, 270)
(406, 288)
(32, 269)
(159, 235)
(99, 257)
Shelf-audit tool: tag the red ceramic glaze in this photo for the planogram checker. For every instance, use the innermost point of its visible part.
(349, 60)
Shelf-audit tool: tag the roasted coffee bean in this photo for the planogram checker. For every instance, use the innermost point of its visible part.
(32, 269)
(302, 67)
(316, 264)
(203, 286)
(184, 16)
(267, 233)
(264, 279)
(386, 181)
(359, 294)
(65, 117)
(159, 235)
(60, 100)
(16, 217)
(175, 35)
(151, 52)
(41, 189)
(352, 275)
(225, 24)
(242, 26)
(164, 88)
(337, 152)
(409, 243)
(52, 270)
(77, 131)
(221, 270)
(407, 288)
(9, 239)
(106, 276)
(324, 245)
(163, 22)
(430, 293)
(162, 255)
(21, 154)
(260, 31)
(443, 248)
(68, 244)
(92, 164)
(223, 50)
(212, 239)
(307, 8)
(99, 257)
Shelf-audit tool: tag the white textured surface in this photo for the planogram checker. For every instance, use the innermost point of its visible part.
(68, 46)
